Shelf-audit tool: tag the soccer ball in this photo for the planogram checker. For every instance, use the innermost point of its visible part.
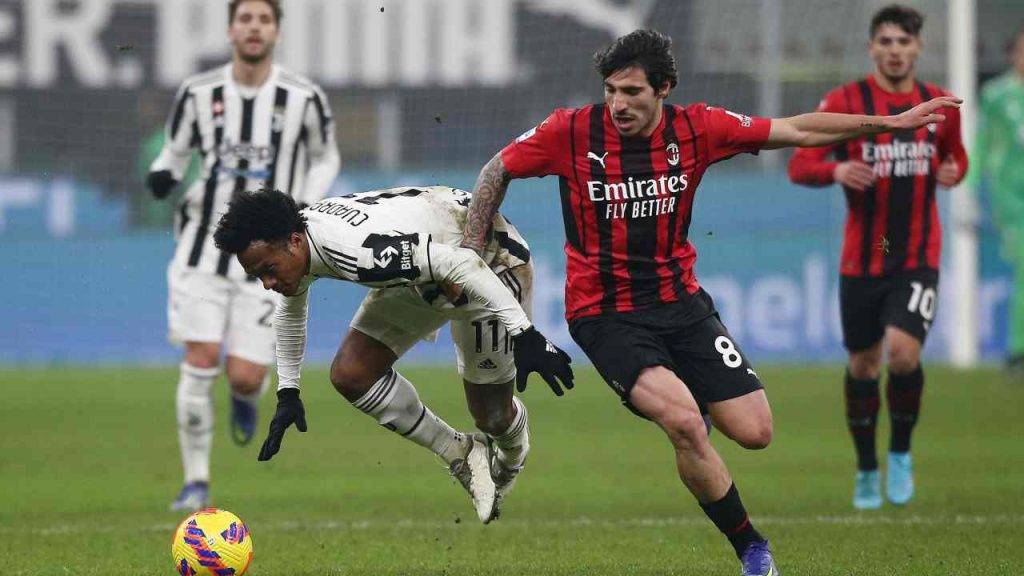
(212, 542)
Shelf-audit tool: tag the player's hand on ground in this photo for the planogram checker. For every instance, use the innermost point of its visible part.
(854, 174)
(289, 411)
(925, 113)
(535, 353)
(949, 172)
(161, 183)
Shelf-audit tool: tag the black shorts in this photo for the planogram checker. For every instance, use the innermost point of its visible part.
(685, 337)
(906, 300)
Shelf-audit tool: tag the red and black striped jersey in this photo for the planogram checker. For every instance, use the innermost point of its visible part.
(894, 224)
(627, 202)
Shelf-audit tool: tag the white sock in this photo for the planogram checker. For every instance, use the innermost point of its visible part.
(253, 398)
(514, 443)
(394, 404)
(195, 420)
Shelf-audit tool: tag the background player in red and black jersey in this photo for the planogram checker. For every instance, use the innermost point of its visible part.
(628, 171)
(889, 268)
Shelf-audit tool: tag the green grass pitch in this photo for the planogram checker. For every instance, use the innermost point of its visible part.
(89, 462)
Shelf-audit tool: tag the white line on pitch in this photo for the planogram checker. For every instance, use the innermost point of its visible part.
(848, 520)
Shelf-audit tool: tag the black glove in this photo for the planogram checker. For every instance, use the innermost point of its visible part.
(534, 353)
(161, 183)
(289, 411)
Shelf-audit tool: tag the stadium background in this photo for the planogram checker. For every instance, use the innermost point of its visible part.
(423, 92)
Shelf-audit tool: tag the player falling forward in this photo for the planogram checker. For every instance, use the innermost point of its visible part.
(889, 268)
(629, 169)
(256, 124)
(404, 243)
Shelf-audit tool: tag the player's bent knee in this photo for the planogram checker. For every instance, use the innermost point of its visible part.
(685, 428)
(757, 438)
(493, 423)
(903, 360)
(202, 354)
(351, 380)
(865, 368)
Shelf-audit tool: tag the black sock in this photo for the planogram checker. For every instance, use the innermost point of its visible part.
(731, 519)
(862, 400)
(904, 395)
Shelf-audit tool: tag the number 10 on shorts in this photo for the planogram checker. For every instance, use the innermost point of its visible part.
(922, 301)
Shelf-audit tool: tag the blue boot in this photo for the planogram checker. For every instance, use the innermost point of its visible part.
(899, 478)
(757, 560)
(243, 420)
(867, 490)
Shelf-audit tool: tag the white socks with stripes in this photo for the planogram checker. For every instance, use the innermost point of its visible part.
(514, 443)
(194, 404)
(393, 403)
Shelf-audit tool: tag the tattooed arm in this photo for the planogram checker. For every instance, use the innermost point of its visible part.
(488, 193)
(823, 128)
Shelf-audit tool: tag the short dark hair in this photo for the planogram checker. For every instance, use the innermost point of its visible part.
(647, 49)
(267, 215)
(275, 5)
(909, 20)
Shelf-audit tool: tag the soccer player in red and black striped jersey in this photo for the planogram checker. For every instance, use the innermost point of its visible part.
(628, 171)
(889, 268)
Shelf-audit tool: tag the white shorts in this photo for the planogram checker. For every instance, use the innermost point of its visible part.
(204, 307)
(401, 317)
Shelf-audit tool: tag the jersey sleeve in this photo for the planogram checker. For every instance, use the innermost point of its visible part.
(290, 328)
(464, 268)
(542, 150)
(983, 136)
(811, 166)
(728, 133)
(951, 143)
(179, 136)
(324, 160)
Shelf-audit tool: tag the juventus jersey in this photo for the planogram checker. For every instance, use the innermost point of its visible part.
(380, 238)
(399, 237)
(279, 136)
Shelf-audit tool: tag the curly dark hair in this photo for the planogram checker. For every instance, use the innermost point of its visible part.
(275, 5)
(647, 49)
(267, 215)
(909, 20)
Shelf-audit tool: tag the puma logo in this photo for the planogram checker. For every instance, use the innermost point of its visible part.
(600, 158)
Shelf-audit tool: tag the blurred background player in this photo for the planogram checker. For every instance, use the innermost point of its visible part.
(403, 242)
(629, 171)
(889, 268)
(1000, 155)
(257, 125)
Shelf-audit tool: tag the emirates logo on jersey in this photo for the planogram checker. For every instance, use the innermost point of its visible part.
(672, 154)
(899, 158)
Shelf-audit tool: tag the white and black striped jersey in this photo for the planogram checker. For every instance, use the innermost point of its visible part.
(278, 136)
(401, 239)
(379, 238)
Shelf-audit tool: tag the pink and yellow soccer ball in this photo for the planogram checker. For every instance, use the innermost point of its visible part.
(212, 542)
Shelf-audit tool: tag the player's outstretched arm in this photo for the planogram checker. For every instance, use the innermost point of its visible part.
(462, 267)
(290, 328)
(489, 191)
(824, 128)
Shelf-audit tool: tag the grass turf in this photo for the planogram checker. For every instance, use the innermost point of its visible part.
(89, 462)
